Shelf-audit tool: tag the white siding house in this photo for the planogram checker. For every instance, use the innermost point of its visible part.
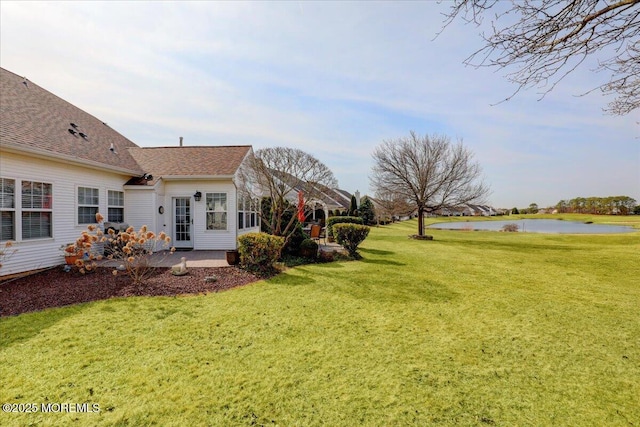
(59, 166)
(42, 219)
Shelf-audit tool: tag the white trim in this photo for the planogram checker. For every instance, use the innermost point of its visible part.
(19, 210)
(63, 158)
(197, 177)
(106, 215)
(207, 211)
(187, 243)
(78, 205)
(14, 209)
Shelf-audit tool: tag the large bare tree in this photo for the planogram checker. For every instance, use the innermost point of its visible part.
(542, 41)
(429, 171)
(282, 173)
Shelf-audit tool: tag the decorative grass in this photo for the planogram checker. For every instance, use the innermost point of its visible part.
(473, 328)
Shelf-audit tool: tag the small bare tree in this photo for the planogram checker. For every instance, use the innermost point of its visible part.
(282, 173)
(429, 171)
(545, 40)
(393, 205)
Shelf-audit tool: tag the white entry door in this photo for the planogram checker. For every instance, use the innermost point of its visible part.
(182, 222)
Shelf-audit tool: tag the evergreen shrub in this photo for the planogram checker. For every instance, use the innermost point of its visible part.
(349, 236)
(331, 221)
(259, 251)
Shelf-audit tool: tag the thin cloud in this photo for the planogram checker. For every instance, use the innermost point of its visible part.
(334, 79)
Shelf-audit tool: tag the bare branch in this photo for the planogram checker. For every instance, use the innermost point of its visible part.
(281, 173)
(428, 172)
(543, 41)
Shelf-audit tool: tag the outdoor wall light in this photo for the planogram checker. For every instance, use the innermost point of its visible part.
(197, 196)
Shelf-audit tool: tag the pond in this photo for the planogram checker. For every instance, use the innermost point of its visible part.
(536, 226)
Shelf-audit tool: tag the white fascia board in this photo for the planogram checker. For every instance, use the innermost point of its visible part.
(197, 177)
(50, 155)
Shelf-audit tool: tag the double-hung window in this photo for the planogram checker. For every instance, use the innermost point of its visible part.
(7, 209)
(255, 205)
(88, 204)
(240, 212)
(115, 206)
(216, 205)
(37, 210)
(247, 212)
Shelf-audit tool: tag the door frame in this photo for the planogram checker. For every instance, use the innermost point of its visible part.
(182, 244)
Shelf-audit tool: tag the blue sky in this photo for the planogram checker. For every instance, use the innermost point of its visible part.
(334, 79)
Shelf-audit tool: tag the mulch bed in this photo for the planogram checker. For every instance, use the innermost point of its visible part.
(56, 288)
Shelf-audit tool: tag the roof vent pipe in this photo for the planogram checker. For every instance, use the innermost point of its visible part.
(180, 141)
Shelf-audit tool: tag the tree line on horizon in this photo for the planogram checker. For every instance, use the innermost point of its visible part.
(612, 205)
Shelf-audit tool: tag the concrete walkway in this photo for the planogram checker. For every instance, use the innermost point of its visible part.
(194, 259)
(330, 247)
(201, 258)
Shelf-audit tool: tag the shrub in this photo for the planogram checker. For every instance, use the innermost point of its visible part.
(292, 245)
(367, 211)
(132, 248)
(326, 256)
(341, 220)
(309, 248)
(259, 252)
(349, 236)
(309, 244)
(510, 227)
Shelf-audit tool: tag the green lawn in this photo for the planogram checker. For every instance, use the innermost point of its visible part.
(473, 328)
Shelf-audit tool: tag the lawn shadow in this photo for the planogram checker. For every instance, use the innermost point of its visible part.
(375, 251)
(424, 291)
(288, 279)
(512, 246)
(14, 329)
(381, 261)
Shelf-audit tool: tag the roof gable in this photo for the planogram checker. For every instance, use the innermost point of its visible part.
(37, 121)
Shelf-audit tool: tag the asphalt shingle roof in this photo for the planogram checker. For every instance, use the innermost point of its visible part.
(34, 119)
(196, 161)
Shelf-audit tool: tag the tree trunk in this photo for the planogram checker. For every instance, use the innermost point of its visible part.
(420, 221)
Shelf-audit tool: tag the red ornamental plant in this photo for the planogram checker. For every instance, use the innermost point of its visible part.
(131, 248)
(301, 214)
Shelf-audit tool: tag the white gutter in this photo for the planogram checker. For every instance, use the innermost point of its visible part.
(197, 177)
(50, 155)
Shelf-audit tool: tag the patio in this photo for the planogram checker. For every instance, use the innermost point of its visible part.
(203, 258)
(194, 259)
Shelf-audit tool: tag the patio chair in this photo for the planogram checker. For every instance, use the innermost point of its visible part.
(317, 233)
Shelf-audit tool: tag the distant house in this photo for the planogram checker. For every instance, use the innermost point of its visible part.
(324, 201)
(329, 200)
(59, 165)
(467, 210)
